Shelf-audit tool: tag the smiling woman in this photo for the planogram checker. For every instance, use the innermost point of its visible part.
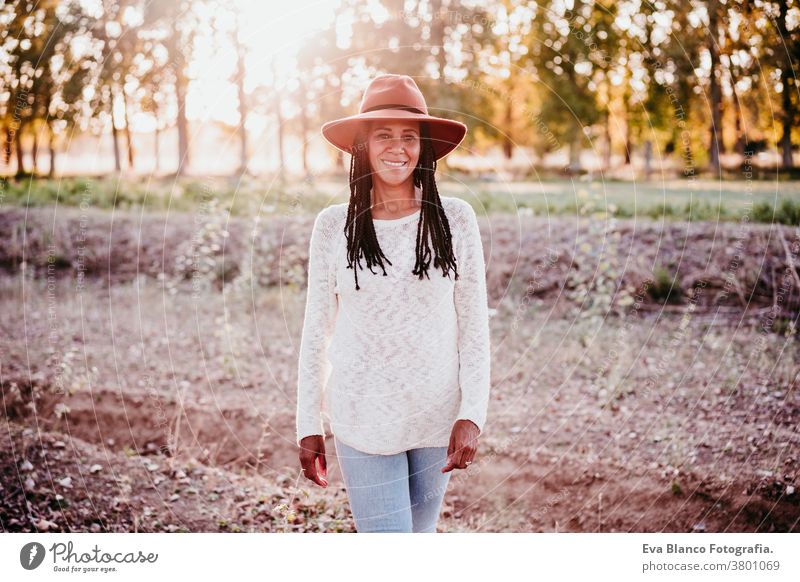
(414, 412)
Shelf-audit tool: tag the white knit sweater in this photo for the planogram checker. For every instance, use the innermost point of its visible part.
(394, 364)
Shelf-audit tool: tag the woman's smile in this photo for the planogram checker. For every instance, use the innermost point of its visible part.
(394, 164)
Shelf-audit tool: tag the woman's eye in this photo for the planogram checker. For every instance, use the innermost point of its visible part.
(408, 138)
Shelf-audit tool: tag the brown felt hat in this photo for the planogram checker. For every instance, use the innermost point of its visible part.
(395, 97)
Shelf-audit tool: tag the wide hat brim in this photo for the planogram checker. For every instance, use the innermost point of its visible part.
(446, 134)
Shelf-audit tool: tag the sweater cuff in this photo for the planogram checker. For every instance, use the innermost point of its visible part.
(309, 426)
(473, 422)
(476, 414)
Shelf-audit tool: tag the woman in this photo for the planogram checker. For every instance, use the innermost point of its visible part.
(398, 357)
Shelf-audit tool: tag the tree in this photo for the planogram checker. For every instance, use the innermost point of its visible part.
(786, 48)
(67, 73)
(713, 10)
(563, 64)
(173, 24)
(118, 44)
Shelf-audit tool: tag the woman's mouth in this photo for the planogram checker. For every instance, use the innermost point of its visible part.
(392, 164)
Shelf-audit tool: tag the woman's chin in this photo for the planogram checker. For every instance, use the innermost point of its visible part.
(392, 178)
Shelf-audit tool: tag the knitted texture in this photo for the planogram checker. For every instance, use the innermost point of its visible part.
(394, 364)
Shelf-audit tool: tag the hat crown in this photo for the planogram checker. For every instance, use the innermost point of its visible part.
(393, 92)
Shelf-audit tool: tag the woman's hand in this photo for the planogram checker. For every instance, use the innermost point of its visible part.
(313, 448)
(463, 444)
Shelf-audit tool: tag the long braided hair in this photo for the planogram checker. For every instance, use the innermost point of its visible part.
(433, 223)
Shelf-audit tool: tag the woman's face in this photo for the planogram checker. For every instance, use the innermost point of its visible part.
(393, 148)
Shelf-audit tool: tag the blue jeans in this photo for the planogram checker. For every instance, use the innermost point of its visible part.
(394, 493)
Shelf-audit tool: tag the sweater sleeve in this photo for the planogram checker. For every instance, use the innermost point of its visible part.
(318, 325)
(473, 322)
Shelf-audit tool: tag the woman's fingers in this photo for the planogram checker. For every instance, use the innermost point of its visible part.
(470, 448)
(463, 445)
(449, 466)
(460, 457)
(321, 480)
(455, 460)
(310, 472)
(469, 455)
(451, 447)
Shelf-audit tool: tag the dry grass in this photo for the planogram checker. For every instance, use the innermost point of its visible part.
(637, 421)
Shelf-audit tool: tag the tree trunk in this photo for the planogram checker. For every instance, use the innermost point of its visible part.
(243, 111)
(128, 139)
(508, 144)
(281, 155)
(304, 124)
(787, 75)
(157, 144)
(20, 154)
(279, 121)
(628, 143)
(739, 146)
(115, 136)
(50, 135)
(7, 146)
(51, 145)
(575, 153)
(715, 89)
(183, 130)
(340, 159)
(35, 151)
(741, 138)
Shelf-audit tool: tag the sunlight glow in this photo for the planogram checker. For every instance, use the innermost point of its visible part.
(270, 33)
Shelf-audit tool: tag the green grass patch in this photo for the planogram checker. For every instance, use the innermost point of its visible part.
(764, 202)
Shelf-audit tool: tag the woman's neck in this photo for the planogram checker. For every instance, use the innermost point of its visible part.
(388, 199)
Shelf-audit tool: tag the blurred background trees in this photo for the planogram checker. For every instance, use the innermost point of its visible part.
(597, 84)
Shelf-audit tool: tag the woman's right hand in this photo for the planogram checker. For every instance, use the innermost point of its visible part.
(313, 448)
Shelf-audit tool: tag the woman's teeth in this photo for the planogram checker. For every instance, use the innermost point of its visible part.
(394, 164)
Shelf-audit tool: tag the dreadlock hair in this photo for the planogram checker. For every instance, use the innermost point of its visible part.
(433, 223)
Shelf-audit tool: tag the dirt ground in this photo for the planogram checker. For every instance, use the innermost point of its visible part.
(135, 407)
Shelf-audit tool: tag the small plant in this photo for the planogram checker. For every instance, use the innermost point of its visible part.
(665, 288)
(787, 212)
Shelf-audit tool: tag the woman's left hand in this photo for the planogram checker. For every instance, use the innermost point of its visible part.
(463, 444)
